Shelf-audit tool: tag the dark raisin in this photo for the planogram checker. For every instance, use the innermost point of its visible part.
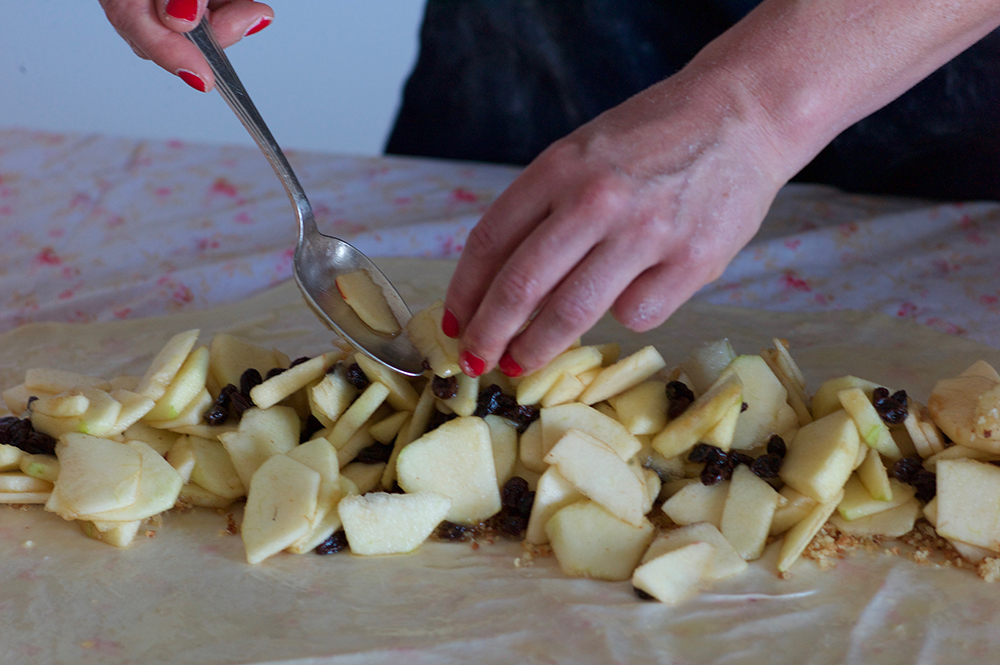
(18, 431)
(926, 483)
(704, 453)
(444, 388)
(766, 466)
(5, 427)
(776, 446)
(526, 503)
(905, 469)
(743, 407)
(740, 458)
(31, 400)
(642, 595)
(299, 361)
(249, 380)
(524, 415)
(335, 543)
(892, 409)
(38, 443)
(488, 401)
(357, 377)
(273, 372)
(375, 453)
(451, 531)
(512, 491)
(216, 414)
(240, 404)
(679, 398)
(713, 473)
(511, 524)
(425, 364)
(309, 428)
(439, 418)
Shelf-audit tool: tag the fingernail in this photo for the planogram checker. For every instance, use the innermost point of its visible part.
(183, 10)
(192, 80)
(258, 25)
(510, 367)
(449, 324)
(472, 364)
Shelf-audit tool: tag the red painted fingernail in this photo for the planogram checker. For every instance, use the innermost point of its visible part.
(192, 80)
(473, 364)
(258, 25)
(183, 10)
(449, 324)
(509, 366)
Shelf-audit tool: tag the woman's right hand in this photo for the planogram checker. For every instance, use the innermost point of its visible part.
(154, 29)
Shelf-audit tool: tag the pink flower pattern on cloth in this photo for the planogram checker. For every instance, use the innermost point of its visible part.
(97, 228)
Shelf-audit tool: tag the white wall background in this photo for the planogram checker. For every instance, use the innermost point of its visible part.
(326, 75)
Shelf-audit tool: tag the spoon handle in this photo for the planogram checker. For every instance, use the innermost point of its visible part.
(239, 101)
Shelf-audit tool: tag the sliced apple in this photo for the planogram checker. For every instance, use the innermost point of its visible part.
(676, 575)
(95, 475)
(874, 477)
(891, 523)
(280, 505)
(858, 503)
(624, 374)
(873, 432)
(696, 502)
(704, 365)
(968, 502)
(166, 364)
(423, 330)
(687, 429)
(799, 536)
(262, 434)
(358, 413)
(532, 388)
(642, 409)
(368, 301)
(380, 523)
(402, 395)
(43, 467)
(552, 492)
(821, 457)
(503, 439)
(558, 420)
(588, 541)
(214, 470)
(725, 561)
(184, 387)
(747, 513)
(567, 388)
(231, 356)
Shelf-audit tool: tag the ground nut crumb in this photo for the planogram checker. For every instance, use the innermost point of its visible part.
(232, 528)
(989, 569)
(150, 533)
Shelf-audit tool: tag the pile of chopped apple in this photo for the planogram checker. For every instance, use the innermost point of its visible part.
(670, 478)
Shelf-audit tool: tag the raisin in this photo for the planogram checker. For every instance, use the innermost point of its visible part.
(439, 418)
(776, 445)
(451, 531)
(240, 404)
(511, 524)
(335, 543)
(299, 361)
(892, 409)
(926, 483)
(311, 426)
(487, 402)
(249, 380)
(375, 453)
(642, 595)
(426, 365)
(512, 491)
(739, 458)
(216, 414)
(357, 377)
(905, 469)
(38, 443)
(766, 466)
(702, 452)
(444, 388)
(273, 372)
(526, 503)
(18, 431)
(506, 406)
(713, 473)
(679, 398)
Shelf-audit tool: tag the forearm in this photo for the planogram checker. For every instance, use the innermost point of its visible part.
(808, 69)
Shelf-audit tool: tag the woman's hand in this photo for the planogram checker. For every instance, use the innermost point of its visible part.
(632, 212)
(153, 28)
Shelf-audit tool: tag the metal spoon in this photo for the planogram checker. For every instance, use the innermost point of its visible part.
(319, 258)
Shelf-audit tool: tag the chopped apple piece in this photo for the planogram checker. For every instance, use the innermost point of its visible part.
(166, 364)
(959, 452)
(455, 460)
(763, 394)
(725, 561)
(968, 502)
(986, 417)
(825, 401)
(557, 420)
(195, 495)
(358, 413)
(531, 449)
(293, 379)
(358, 442)
(532, 388)
(181, 457)
(366, 476)
(874, 477)
(231, 356)
(464, 402)
(793, 511)
(98, 420)
(799, 536)
(43, 467)
(10, 457)
(821, 456)
(687, 429)
(412, 430)
(16, 481)
(385, 430)
(953, 405)
(424, 330)
(214, 470)
(698, 503)
(262, 434)
(280, 505)
(747, 513)
(17, 398)
(95, 475)
(551, 493)
(368, 301)
(329, 398)
(858, 503)
(594, 469)
(402, 395)
(891, 523)
(705, 364)
(63, 405)
(722, 434)
(26, 498)
(134, 408)
(118, 534)
(380, 523)
(184, 387)
(157, 491)
(503, 439)
(873, 432)
(623, 375)
(158, 439)
(676, 575)
(588, 541)
(981, 368)
(566, 389)
(642, 409)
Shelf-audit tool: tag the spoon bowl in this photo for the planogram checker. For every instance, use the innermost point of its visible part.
(319, 259)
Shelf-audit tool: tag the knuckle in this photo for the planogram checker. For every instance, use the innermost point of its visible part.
(516, 289)
(482, 241)
(571, 313)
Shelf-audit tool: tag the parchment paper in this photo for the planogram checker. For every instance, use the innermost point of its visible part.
(187, 595)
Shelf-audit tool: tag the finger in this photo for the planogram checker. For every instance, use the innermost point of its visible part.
(657, 293)
(531, 274)
(233, 21)
(576, 304)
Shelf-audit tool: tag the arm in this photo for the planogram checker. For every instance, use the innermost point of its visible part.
(154, 30)
(638, 209)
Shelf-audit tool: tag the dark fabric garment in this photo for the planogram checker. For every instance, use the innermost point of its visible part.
(499, 80)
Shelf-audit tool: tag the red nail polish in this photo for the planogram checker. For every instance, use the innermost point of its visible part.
(258, 25)
(183, 10)
(449, 324)
(192, 80)
(509, 366)
(474, 365)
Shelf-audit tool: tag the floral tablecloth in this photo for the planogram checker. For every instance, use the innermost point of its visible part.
(96, 228)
